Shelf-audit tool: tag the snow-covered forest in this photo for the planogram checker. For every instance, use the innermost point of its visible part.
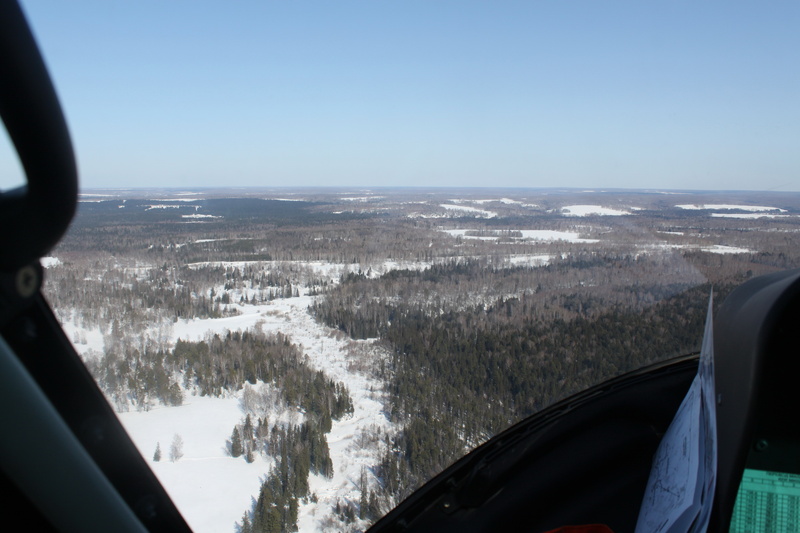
(304, 359)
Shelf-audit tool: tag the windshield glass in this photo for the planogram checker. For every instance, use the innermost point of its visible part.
(322, 251)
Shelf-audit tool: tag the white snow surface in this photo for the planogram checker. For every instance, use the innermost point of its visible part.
(748, 215)
(553, 235)
(713, 249)
(469, 210)
(586, 210)
(506, 201)
(50, 262)
(532, 260)
(753, 208)
(87, 342)
(722, 249)
(211, 489)
(176, 199)
(532, 234)
(360, 198)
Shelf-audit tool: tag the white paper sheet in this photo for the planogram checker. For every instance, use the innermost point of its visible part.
(682, 480)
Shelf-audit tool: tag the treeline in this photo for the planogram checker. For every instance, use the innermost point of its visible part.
(138, 379)
(578, 285)
(97, 294)
(137, 299)
(225, 363)
(221, 364)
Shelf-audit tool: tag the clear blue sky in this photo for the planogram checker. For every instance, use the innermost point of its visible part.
(441, 93)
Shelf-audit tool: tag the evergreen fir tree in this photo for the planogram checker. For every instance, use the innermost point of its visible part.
(247, 432)
(364, 503)
(246, 526)
(236, 443)
(157, 455)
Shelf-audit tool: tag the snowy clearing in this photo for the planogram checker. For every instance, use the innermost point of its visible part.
(713, 249)
(210, 488)
(531, 234)
(553, 235)
(722, 249)
(470, 210)
(360, 198)
(586, 210)
(754, 208)
(507, 201)
(748, 215)
(175, 199)
(531, 260)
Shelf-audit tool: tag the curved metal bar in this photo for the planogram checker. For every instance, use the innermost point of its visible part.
(33, 217)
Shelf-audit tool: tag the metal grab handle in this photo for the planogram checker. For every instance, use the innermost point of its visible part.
(35, 216)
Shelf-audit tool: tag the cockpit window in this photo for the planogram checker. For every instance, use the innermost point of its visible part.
(321, 254)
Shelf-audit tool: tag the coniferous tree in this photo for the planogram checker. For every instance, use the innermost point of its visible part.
(236, 443)
(247, 431)
(364, 501)
(247, 527)
(157, 454)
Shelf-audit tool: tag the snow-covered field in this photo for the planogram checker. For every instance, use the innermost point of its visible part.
(474, 211)
(552, 235)
(722, 249)
(210, 488)
(196, 215)
(507, 201)
(531, 260)
(746, 216)
(753, 208)
(532, 234)
(587, 210)
(712, 249)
